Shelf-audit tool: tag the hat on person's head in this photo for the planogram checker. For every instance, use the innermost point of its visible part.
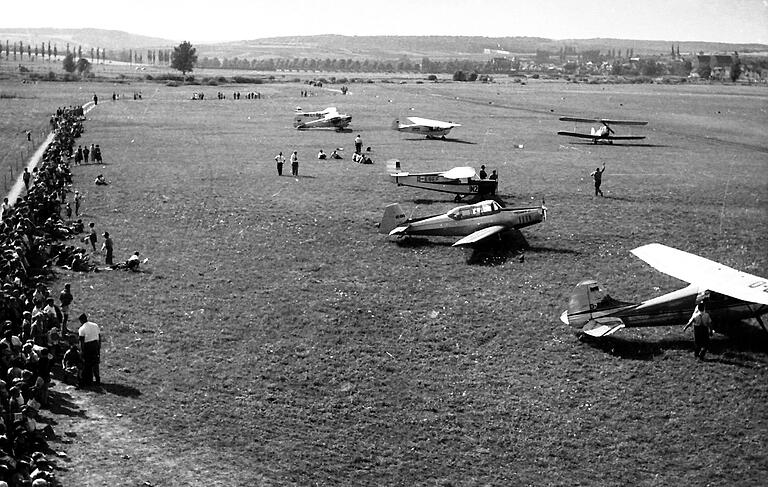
(83, 317)
(106, 234)
(482, 167)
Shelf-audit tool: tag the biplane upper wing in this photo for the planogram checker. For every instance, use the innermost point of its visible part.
(433, 123)
(621, 122)
(605, 121)
(705, 273)
(480, 235)
(465, 172)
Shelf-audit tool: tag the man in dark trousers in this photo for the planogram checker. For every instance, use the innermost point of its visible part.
(65, 298)
(90, 349)
(597, 175)
(280, 160)
(702, 327)
(358, 144)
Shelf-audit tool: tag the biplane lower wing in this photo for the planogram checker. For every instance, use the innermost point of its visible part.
(595, 137)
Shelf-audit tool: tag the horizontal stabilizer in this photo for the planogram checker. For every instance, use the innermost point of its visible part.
(602, 328)
(705, 273)
(399, 230)
(480, 235)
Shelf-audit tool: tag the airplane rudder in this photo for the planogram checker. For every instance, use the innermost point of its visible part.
(580, 305)
(393, 216)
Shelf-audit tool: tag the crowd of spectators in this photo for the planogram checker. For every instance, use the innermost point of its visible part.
(35, 333)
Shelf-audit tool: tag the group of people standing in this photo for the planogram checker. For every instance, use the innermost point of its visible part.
(84, 155)
(280, 160)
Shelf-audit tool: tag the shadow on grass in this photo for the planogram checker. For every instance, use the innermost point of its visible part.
(620, 145)
(618, 198)
(120, 390)
(742, 346)
(497, 251)
(455, 141)
(59, 403)
(408, 242)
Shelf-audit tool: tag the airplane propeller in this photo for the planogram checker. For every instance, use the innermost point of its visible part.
(544, 208)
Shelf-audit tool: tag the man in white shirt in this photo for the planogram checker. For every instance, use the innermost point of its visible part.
(90, 349)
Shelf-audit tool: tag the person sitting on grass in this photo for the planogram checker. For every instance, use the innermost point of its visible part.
(100, 181)
(72, 364)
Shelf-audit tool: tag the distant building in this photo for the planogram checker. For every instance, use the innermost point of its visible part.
(720, 64)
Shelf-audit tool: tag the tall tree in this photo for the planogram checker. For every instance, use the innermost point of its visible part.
(184, 58)
(735, 67)
(69, 63)
(83, 66)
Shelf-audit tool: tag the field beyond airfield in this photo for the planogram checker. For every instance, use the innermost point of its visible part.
(275, 338)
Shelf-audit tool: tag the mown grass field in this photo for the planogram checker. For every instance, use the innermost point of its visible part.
(275, 338)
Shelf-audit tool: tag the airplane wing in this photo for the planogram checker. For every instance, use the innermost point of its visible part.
(621, 122)
(480, 235)
(433, 123)
(579, 119)
(705, 273)
(576, 134)
(625, 137)
(459, 173)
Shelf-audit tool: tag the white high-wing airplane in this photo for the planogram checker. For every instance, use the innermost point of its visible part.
(433, 129)
(328, 118)
(732, 295)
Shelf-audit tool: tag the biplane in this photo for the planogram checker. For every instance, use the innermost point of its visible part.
(432, 129)
(731, 295)
(604, 133)
(474, 222)
(461, 181)
(328, 118)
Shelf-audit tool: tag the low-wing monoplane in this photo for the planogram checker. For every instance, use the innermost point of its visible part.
(604, 133)
(461, 181)
(732, 295)
(328, 118)
(474, 222)
(433, 129)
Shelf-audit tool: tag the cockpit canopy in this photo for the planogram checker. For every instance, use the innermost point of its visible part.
(471, 211)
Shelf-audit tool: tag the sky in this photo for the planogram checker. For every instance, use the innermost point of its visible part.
(737, 21)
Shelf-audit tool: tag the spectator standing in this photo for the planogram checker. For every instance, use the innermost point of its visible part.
(65, 298)
(27, 176)
(90, 350)
(107, 246)
(358, 144)
(92, 238)
(280, 160)
(295, 163)
(78, 197)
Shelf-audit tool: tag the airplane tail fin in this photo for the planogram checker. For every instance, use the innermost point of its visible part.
(393, 217)
(393, 165)
(589, 310)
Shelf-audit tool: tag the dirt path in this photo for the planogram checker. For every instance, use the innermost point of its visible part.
(107, 449)
(18, 186)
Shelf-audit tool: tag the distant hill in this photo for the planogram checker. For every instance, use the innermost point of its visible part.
(107, 39)
(376, 47)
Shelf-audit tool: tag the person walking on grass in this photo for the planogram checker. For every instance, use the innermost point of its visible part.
(280, 160)
(90, 349)
(597, 175)
(107, 246)
(702, 328)
(295, 164)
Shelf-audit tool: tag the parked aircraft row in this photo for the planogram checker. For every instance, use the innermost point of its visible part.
(732, 294)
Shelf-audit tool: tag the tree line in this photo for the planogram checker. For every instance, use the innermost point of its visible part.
(42, 50)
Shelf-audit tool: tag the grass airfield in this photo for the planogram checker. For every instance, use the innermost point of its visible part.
(275, 338)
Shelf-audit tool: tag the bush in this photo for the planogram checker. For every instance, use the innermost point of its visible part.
(172, 83)
(149, 77)
(247, 80)
(51, 76)
(342, 81)
(432, 77)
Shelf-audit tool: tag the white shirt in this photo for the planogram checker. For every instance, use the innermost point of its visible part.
(280, 158)
(89, 331)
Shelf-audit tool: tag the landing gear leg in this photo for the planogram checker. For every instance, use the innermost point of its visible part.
(762, 325)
